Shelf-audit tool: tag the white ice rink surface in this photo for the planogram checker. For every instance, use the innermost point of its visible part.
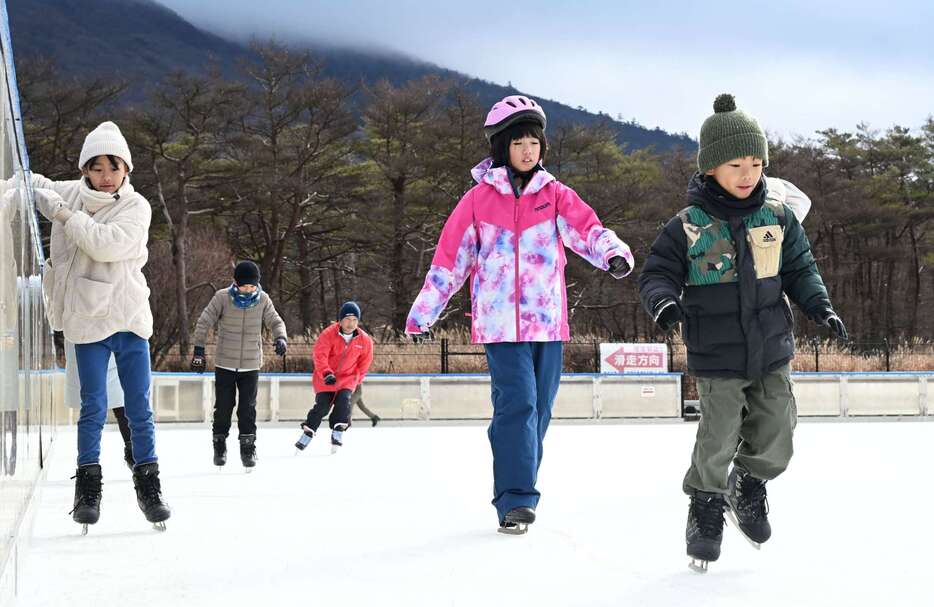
(401, 516)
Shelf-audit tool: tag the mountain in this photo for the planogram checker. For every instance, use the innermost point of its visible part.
(141, 41)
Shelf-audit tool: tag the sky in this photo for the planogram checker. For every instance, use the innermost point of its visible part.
(796, 65)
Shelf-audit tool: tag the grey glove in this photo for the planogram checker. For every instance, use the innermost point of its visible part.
(618, 267)
(330, 379)
(667, 314)
(830, 319)
(197, 361)
(280, 346)
(49, 203)
(422, 338)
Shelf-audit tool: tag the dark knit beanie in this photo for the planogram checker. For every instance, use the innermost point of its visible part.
(728, 134)
(349, 308)
(246, 273)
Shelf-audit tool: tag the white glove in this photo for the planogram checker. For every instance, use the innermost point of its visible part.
(49, 203)
(8, 201)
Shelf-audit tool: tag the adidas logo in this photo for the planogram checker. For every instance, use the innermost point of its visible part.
(768, 237)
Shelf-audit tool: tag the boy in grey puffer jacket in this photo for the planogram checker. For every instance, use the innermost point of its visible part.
(238, 313)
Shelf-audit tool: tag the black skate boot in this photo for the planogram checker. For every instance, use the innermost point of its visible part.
(337, 437)
(704, 529)
(128, 455)
(517, 521)
(149, 495)
(87, 506)
(304, 439)
(748, 506)
(248, 451)
(375, 420)
(220, 450)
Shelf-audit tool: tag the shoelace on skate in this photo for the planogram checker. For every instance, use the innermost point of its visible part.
(708, 515)
(89, 490)
(150, 488)
(753, 501)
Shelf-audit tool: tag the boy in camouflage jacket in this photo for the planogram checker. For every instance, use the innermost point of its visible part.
(726, 266)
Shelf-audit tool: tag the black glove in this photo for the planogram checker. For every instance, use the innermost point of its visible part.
(619, 267)
(423, 337)
(197, 361)
(280, 346)
(667, 314)
(330, 379)
(830, 319)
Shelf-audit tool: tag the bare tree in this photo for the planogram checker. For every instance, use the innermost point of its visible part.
(182, 135)
(294, 151)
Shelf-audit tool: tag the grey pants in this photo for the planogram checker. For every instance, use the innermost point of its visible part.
(746, 422)
(357, 399)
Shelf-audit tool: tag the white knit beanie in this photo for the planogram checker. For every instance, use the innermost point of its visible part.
(105, 139)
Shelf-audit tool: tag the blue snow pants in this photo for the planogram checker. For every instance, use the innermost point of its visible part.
(131, 353)
(525, 378)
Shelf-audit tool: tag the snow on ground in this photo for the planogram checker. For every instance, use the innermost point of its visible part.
(401, 516)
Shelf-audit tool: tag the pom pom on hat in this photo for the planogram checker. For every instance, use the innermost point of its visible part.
(724, 102)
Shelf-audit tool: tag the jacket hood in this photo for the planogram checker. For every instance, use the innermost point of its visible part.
(499, 178)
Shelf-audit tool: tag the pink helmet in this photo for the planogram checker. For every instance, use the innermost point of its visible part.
(509, 111)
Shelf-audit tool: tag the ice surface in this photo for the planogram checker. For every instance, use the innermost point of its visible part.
(401, 516)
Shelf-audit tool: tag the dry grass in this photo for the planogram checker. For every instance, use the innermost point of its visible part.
(403, 356)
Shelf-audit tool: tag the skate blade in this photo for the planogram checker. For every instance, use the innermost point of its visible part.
(160, 526)
(698, 565)
(734, 521)
(334, 449)
(519, 529)
(84, 529)
(248, 470)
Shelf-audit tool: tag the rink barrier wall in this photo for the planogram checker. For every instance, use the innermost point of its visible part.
(189, 397)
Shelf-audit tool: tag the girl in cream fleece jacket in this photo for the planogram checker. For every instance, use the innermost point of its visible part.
(97, 295)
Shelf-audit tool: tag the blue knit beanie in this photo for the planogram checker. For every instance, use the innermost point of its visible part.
(349, 308)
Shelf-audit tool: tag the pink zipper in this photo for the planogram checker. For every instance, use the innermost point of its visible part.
(516, 218)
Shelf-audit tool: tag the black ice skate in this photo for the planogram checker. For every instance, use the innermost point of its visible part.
(220, 450)
(149, 495)
(517, 521)
(704, 529)
(128, 455)
(248, 451)
(304, 439)
(87, 506)
(748, 507)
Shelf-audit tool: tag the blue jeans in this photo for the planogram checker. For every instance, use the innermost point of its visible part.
(525, 378)
(132, 355)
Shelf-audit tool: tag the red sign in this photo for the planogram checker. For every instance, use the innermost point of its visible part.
(634, 358)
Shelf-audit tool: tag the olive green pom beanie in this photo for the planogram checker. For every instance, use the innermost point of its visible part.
(730, 133)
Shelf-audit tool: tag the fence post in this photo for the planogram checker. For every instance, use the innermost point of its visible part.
(816, 355)
(596, 357)
(888, 365)
(444, 355)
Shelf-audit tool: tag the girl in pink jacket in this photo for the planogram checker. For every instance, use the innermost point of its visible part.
(507, 235)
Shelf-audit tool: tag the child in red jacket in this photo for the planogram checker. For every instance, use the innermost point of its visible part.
(342, 354)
